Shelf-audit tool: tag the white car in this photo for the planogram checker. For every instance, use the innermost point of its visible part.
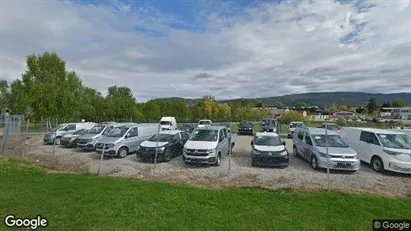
(383, 149)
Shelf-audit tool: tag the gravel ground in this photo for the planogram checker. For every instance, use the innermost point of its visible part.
(298, 175)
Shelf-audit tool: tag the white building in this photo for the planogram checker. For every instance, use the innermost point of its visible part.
(399, 112)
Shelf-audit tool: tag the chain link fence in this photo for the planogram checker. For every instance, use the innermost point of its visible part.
(241, 163)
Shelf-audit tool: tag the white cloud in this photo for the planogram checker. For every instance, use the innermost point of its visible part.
(264, 50)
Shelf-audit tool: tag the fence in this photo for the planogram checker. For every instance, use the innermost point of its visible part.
(239, 167)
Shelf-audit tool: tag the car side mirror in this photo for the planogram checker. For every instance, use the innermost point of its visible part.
(284, 143)
(127, 136)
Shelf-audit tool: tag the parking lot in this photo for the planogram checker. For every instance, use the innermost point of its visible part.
(235, 170)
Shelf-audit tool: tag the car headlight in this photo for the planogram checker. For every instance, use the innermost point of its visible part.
(110, 145)
(73, 139)
(283, 153)
(256, 152)
(323, 154)
(211, 150)
(162, 149)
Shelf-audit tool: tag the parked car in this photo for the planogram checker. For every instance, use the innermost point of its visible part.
(292, 126)
(208, 145)
(383, 149)
(70, 140)
(245, 127)
(63, 129)
(311, 144)
(125, 138)
(187, 128)
(270, 125)
(330, 126)
(88, 140)
(268, 150)
(204, 123)
(227, 125)
(170, 144)
(168, 123)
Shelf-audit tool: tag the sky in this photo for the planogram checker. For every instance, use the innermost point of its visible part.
(228, 49)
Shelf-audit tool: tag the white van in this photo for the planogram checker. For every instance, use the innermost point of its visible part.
(125, 138)
(168, 123)
(383, 149)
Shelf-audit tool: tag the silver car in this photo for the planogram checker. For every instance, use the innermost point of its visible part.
(88, 140)
(311, 144)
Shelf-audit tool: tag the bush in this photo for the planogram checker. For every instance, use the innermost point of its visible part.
(292, 116)
(341, 122)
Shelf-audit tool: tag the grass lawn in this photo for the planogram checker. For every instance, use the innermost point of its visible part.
(85, 202)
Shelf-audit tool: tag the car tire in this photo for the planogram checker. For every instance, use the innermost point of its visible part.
(314, 162)
(218, 160)
(377, 164)
(295, 152)
(168, 155)
(122, 152)
(58, 142)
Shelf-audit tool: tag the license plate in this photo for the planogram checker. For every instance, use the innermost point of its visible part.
(343, 164)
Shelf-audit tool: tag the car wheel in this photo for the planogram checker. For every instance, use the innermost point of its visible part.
(122, 152)
(218, 161)
(314, 163)
(295, 152)
(58, 142)
(168, 155)
(377, 164)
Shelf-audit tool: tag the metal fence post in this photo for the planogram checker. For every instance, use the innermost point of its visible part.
(5, 134)
(155, 158)
(328, 157)
(229, 151)
(101, 159)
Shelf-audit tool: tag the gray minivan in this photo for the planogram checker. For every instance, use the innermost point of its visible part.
(311, 144)
(125, 138)
(88, 140)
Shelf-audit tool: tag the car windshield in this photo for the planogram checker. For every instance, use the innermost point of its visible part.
(118, 131)
(204, 122)
(295, 125)
(334, 141)
(59, 127)
(165, 123)
(204, 135)
(395, 141)
(267, 141)
(96, 130)
(79, 132)
(268, 122)
(161, 138)
(245, 123)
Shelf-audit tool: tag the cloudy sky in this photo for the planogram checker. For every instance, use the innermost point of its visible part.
(229, 49)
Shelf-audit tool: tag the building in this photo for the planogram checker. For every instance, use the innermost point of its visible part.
(343, 114)
(397, 112)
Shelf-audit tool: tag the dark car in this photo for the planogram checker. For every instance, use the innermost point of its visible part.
(270, 125)
(70, 140)
(245, 128)
(268, 150)
(187, 128)
(170, 144)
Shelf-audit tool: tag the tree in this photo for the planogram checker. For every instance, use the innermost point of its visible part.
(386, 104)
(4, 94)
(300, 104)
(292, 116)
(372, 105)
(398, 103)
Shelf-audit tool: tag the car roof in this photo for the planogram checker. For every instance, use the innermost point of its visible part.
(296, 122)
(204, 120)
(212, 128)
(266, 134)
(125, 124)
(318, 131)
(378, 130)
(170, 132)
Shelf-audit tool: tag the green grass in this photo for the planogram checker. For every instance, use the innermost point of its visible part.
(85, 202)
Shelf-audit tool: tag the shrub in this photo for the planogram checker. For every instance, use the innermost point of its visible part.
(341, 122)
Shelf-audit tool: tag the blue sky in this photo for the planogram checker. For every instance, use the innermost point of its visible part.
(229, 49)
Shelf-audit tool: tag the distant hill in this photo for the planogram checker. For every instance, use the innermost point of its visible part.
(320, 99)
